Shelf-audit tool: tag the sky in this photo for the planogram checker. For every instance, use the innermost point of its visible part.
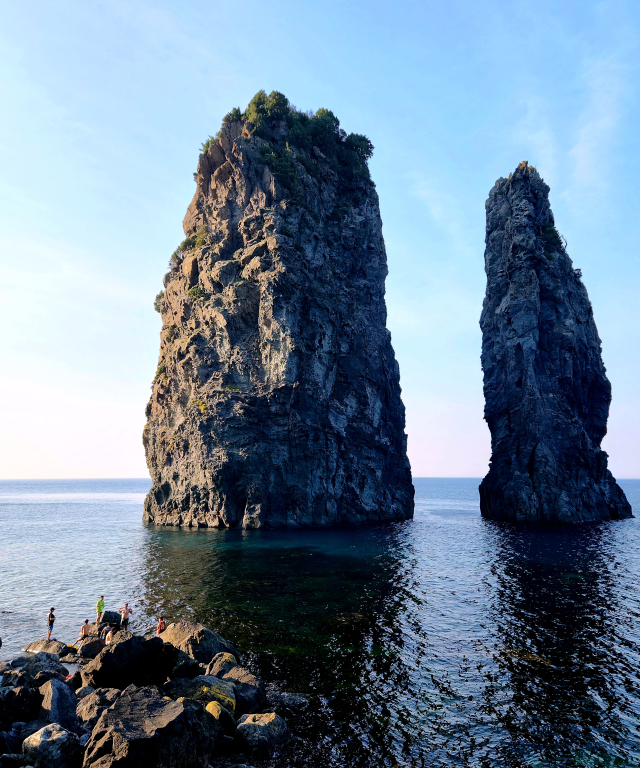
(104, 109)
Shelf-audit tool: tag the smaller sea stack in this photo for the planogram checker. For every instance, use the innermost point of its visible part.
(546, 392)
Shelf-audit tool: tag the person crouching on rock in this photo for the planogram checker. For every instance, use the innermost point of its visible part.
(84, 633)
(50, 619)
(162, 625)
(99, 609)
(124, 614)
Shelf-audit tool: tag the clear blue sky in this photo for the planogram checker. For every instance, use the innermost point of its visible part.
(104, 108)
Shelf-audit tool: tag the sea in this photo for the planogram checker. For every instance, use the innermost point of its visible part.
(447, 640)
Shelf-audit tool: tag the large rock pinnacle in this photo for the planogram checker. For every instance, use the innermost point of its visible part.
(277, 397)
(547, 396)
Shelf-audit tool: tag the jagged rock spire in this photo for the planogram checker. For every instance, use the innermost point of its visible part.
(546, 392)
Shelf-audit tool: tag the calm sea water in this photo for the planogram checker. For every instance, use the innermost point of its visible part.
(445, 641)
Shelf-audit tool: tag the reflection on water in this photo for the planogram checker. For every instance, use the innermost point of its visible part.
(449, 640)
(445, 641)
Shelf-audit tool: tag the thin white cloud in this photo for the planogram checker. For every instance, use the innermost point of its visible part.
(596, 135)
(445, 212)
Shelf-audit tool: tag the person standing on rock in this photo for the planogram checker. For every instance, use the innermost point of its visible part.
(125, 613)
(50, 620)
(99, 609)
(162, 625)
(84, 633)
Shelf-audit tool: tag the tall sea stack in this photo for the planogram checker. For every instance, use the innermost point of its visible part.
(546, 393)
(277, 396)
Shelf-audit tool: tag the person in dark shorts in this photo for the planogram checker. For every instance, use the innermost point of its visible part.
(50, 619)
(124, 616)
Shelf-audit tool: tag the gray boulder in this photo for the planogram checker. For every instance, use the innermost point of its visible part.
(261, 734)
(222, 716)
(45, 665)
(221, 664)
(546, 391)
(91, 648)
(250, 691)
(204, 688)
(19, 704)
(185, 666)
(90, 707)
(53, 747)
(51, 646)
(130, 660)
(84, 691)
(284, 703)
(197, 641)
(59, 705)
(144, 730)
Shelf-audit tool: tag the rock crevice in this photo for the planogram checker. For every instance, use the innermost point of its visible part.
(546, 392)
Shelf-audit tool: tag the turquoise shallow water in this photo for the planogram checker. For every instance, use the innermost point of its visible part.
(443, 641)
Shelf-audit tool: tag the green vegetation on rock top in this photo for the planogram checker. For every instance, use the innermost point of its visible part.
(293, 136)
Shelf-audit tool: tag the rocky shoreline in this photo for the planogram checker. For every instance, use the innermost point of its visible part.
(178, 700)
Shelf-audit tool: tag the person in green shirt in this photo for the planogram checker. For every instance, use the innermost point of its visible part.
(99, 609)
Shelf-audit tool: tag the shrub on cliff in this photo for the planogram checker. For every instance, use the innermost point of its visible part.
(157, 302)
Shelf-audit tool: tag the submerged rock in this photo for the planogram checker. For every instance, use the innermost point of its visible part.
(261, 734)
(277, 396)
(546, 392)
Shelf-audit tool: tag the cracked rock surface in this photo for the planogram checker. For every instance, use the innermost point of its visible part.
(277, 398)
(546, 392)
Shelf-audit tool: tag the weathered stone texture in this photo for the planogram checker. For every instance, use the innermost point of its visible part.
(277, 398)
(546, 392)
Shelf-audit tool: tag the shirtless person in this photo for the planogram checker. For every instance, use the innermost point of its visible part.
(84, 633)
(125, 613)
(50, 619)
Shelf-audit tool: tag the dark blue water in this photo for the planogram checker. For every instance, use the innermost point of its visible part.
(445, 641)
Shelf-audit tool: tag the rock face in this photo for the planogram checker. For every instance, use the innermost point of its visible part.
(277, 397)
(547, 396)
(144, 730)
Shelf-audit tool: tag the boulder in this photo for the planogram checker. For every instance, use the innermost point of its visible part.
(84, 691)
(45, 664)
(222, 716)
(53, 747)
(91, 648)
(112, 618)
(221, 664)
(5, 666)
(130, 660)
(204, 688)
(51, 646)
(145, 730)
(18, 704)
(94, 704)
(12, 760)
(185, 667)
(74, 681)
(20, 660)
(261, 734)
(197, 641)
(16, 677)
(250, 691)
(283, 703)
(59, 705)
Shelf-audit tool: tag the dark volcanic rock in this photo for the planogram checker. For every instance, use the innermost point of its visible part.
(546, 392)
(53, 747)
(250, 691)
(261, 734)
(145, 730)
(93, 704)
(204, 688)
(59, 705)
(198, 642)
(277, 396)
(130, 660)
(18, 704)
